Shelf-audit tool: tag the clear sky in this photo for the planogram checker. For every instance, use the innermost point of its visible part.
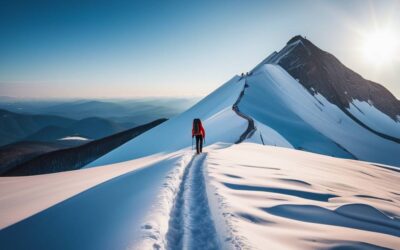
(78, 48)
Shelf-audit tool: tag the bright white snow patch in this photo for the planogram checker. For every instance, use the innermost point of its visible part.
(287, 199)
(71, 138)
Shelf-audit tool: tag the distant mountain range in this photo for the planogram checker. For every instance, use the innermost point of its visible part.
(120, 110)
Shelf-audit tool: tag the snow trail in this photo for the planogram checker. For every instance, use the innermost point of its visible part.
(250, 128)
(191, 225)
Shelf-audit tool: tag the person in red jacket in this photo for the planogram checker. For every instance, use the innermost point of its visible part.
(199, 133)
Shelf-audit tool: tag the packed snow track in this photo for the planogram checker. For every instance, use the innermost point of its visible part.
(191, 225)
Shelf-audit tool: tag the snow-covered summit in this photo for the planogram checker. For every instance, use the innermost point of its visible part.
(321, 72)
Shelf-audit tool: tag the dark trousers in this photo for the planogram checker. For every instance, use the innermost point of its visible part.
(199, 143)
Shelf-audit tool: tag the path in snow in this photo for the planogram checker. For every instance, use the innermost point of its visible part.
(250, 128)
(191, 225)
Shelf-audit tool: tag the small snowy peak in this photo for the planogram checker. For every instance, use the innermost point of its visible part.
(291, 199)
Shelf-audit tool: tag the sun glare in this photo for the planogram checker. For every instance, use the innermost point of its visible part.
(381, 47)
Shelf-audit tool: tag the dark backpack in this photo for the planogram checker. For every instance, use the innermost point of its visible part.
(196, 126)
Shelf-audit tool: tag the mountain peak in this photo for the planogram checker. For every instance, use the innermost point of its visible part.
(321, 72)
(295, 39)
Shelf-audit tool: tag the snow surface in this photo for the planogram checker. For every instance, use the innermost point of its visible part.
(267, 136)
(276, 197)
(21, 197)
(96, 208)
(279, 198)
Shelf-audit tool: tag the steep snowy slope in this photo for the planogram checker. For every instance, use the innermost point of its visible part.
(220, 122)
(310, 122)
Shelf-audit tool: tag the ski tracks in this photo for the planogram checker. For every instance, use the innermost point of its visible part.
(191, 225)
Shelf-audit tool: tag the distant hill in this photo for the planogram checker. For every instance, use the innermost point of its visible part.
(14, 126)
(77, 157)
(17, 153)
(91, 128)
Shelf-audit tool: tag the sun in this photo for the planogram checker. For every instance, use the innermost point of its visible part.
(381, 47)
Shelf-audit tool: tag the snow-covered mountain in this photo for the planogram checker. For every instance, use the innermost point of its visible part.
(326, 109)
(254, 187)
(320, 72)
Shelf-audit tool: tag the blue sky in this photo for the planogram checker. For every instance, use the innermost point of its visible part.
(173, 48)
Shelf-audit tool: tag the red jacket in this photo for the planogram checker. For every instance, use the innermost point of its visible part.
(202, 131)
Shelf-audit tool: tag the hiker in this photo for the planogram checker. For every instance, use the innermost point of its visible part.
(200, 134)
